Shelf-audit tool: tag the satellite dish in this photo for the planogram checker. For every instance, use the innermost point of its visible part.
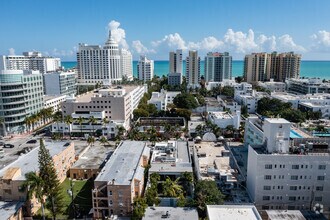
(318, 208)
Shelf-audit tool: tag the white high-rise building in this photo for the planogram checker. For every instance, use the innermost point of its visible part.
(218, 66)
(176, 61)
(193, 68)
(145, 69)
(30, 61)
(107, 64)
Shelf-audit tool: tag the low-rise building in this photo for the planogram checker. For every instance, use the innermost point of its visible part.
(224, 119)
(120, 180)
(273, 86)
(160, 123)
(212, 162)
(54, 102)
(171, 213)
(11, 210)
(242, 89)
(225, 82)
(13, 175)
(307, 86)
(293, 214)
(162, 99)
(234, 212)
(174, 79)
(90, 162)
(171, 159)
(193, 123)
(60, 83)
(287, 175)
(229, 104)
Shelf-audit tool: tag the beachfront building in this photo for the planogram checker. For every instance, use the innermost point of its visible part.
(307, 86)
(114, 105)
(176, 61)
(21, 95)
(30, 61)
(103, 64)
(120, 180)
(218, 67)
(145, 69)
(288, 175)
(60, 83)
(13, 175)
(162, 99)
(265, 66)
(193, 69)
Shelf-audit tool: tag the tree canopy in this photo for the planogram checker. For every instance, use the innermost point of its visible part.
(185, 100)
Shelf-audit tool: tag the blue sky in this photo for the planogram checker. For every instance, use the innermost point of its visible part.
(155, 27)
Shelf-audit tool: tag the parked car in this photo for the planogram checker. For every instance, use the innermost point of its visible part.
(2, 143)
(31, 141)
(8, 146)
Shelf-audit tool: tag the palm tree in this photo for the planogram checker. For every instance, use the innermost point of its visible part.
(103, 140)
(34, 186)
(28, 122)
(91, 140)
(92, 121)
(171, 188)
(105, 121)
(2, 122)
(57, 118)
(80, 121)
(68, 120)
(120, 131)
(187, 179)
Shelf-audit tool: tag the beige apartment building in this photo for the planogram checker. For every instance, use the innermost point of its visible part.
(120, 180)
(13, 175)
(116, 104)
(266, 66)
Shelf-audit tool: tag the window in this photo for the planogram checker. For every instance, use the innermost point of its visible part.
(266, 198)
(268, 177)
(320, 178)
(319, 188)
(295, 167)
(322, 167)
(294, 177)
(267, 187)
(293, 187)
(110, 203)
(268, 166)
(110, 193)
(318, 199)
(292, 198)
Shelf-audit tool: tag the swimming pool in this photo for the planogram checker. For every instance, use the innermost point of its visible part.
(294, 134)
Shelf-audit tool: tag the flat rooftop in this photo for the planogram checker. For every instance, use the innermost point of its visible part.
(50, 97)
(232, 212)
(7, 209)
(182, 160)
(170, 213)
(293, 215)
(123, 163)
(277, 120)
(220, 115)
(92, 158)
(29, 162)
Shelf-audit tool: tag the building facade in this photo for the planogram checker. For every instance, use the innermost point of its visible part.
(21, 95)
(121, 180)
(162, 99)
(60, 83)
(265, 66)
(218, 67)
(307, 86)
(193, 68)
(145, 69)
(103, 64)
(176, 62)
(30, 61)
(54, 102)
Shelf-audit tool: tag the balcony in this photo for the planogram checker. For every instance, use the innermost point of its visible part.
(13, 96)
(15, 102)
(15, 115)
(14, 90)
(16, 108)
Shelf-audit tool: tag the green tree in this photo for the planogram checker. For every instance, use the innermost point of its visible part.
(91, 140)
(207, 193)
(57, 117)
(171, 188)
(187, 180)
(80, 121)
(105, 121)
(139, 208)
(52, 188)
(103, 140)
(185, 100)
(92, 121)
(140, 113)
(228, 91)
(68, 120)
(34, 185)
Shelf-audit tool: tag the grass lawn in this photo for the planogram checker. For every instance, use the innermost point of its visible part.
(82, 194)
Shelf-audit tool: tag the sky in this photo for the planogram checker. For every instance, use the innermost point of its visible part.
(154, 27)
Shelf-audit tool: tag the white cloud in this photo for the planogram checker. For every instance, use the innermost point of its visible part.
(240, 42)
(140, 48)
(173, 41)
(321, 41)
(11, 51)
(286, 43)
(118, 33)
(62, 53)
(208, 43)
(266, 43)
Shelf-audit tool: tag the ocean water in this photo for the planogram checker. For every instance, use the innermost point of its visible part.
(319, 69)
